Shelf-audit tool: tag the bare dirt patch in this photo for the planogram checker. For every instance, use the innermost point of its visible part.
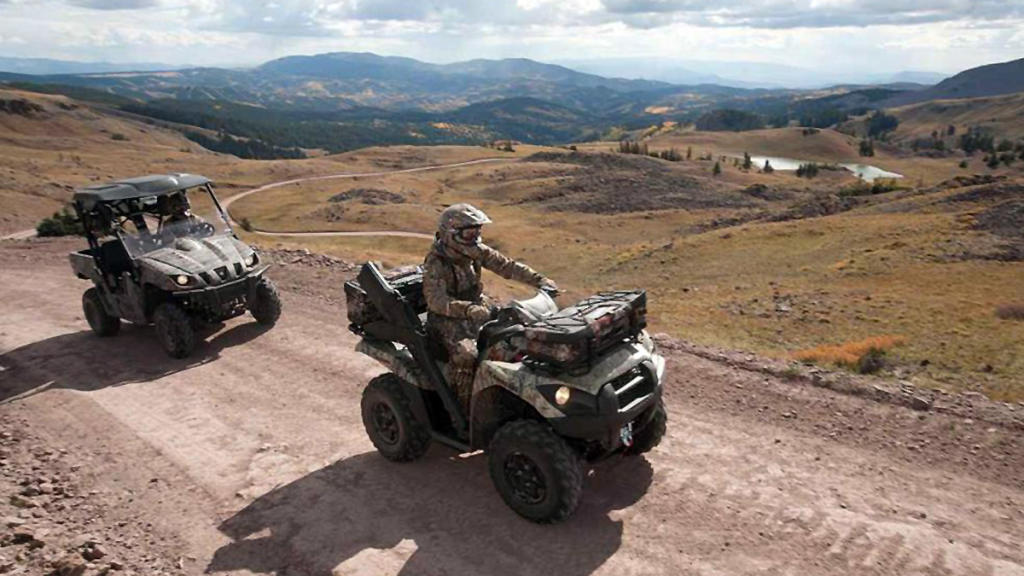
(370, 196)
(616, 183)
(19, 106)
(1005, 219)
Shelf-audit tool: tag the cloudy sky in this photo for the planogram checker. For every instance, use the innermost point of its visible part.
(854, 35)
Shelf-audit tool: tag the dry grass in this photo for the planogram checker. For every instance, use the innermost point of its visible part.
(849, 354)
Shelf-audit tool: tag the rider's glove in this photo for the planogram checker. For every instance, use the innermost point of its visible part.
(548, 285)
(478, 314)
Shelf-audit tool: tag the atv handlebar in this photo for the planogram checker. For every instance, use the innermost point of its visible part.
(552, 292)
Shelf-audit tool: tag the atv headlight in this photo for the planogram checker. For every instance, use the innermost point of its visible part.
(251, 260)
(562, 395)
(182, 280)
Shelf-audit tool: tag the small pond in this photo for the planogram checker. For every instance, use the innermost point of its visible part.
(865, 171)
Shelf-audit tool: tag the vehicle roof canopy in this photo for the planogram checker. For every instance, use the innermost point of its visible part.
(142, 187)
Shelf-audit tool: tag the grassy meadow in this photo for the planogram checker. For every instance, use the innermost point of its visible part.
(781, 288)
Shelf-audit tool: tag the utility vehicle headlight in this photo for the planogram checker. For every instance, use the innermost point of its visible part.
(181, 280)
(251, 260)
(562, 395)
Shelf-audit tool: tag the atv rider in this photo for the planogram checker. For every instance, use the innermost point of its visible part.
(452, 286)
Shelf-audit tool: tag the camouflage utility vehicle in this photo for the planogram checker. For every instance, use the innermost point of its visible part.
(554, 389)
(152, 259)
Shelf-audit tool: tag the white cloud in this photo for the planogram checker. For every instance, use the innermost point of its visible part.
(944, 35)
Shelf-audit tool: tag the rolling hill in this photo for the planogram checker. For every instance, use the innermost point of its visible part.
(1000, 116)
(989, 80)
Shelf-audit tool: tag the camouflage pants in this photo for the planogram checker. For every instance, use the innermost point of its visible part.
(459, 339)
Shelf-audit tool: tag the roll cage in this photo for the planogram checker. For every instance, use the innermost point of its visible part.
(104, 210)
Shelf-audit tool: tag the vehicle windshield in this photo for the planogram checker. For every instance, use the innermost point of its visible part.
(160, 221)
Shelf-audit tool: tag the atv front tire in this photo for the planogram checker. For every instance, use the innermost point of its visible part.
(389, 421)
(645, 439)
(174, 329)
(102, 324)
(536, 473)
(265, 303)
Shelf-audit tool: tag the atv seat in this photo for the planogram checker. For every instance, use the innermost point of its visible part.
(115, 258)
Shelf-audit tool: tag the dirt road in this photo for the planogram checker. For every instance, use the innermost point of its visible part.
(250, 458)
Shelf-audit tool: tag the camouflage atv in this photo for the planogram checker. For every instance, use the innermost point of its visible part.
(152, 260)
(554, 389)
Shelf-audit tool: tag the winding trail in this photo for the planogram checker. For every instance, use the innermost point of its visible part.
(227, 203)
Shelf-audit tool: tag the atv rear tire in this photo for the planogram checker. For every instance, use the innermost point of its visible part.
(645, 439)
(537, 474)
(102, 324)
(390, 422)
(174, 329)
(265, 303)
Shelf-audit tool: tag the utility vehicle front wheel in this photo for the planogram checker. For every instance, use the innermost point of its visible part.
(102, 324)
(265, 303)
(645, 439)
(389, 421)
(174, 329)
(535, 471)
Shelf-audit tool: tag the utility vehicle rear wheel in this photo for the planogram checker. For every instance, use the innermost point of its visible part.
(389, 421)
(645, 439)
(102, 324)
(535, 471)
(265, 303)
(174, 329)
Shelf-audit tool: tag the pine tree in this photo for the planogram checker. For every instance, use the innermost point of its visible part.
(746, 161)
(689, 152)
(717, 169)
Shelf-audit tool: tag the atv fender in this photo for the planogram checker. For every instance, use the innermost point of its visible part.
(419, 407)
(394, 358)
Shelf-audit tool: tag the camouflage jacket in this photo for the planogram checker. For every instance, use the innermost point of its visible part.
(451, 280)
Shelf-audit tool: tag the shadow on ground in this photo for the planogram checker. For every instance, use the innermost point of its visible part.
(435, 516)
(84, 361)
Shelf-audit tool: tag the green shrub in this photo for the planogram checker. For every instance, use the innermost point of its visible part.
(62, 223)
(872, 361)
(807, 170)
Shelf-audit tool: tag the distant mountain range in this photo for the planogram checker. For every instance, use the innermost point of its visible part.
(739, 74)
(43, 66)
(683, 72)
(342, 100)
